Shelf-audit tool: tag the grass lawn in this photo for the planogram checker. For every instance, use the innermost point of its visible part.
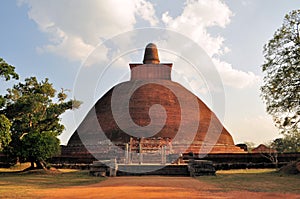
(256, 180)
(28, 184)
(20, 185)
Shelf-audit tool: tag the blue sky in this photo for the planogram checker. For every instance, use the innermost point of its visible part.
(53, 39)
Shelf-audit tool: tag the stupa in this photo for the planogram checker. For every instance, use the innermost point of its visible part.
(181, 121)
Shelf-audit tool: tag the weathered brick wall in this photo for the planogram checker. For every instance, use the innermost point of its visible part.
(150, 71)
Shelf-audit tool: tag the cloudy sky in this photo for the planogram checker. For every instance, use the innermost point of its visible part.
(85, 46)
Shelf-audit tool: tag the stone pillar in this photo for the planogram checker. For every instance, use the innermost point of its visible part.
(130, 154)
(140, 154)
(163, 155)
(170, 148)
(126, 153)
(113, 167)
(180, 159)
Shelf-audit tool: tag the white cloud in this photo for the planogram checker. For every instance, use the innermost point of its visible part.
(194, 21)
(196, 17)
(235, 78)
(71, 47)
(146, 11)
(75, 27)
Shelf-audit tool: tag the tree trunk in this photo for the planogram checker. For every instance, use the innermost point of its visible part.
(276, 161)
(31, 159)
(31, 164)
(41, 165)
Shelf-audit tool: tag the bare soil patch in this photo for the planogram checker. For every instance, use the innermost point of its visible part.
(153, 187)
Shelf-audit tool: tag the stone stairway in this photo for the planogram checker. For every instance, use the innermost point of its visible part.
(166, 170)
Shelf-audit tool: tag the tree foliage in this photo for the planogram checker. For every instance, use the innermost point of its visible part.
(34, 109)
(5, 134)
(289, 143)
(6, 71)
(281, 88)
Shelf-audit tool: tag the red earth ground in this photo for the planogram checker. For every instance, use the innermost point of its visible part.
(153, 187)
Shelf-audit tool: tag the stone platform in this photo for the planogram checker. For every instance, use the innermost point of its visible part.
(152, 169)
(111, 168)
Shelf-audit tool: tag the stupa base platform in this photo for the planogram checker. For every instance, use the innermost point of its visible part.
(152, 169)
(111, 168)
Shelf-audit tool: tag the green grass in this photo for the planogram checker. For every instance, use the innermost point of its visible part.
(20, 185)
(256, 180)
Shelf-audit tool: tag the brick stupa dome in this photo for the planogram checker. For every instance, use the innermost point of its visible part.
(151, 84)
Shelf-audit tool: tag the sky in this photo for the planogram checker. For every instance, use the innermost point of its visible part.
(86, 46)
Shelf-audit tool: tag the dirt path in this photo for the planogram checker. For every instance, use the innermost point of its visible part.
(153, 187)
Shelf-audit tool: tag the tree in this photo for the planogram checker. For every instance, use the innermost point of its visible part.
(279, 145)
(270, 153)
(5, 135)
(281, 88)
(289, 143)
(6, 71)
(250, 146)
(34, 110)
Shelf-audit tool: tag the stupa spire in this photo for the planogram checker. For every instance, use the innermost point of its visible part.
(151, 54)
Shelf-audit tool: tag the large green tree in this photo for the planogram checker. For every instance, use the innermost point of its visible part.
(34, 109)
(7, 72)
(281, 88)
